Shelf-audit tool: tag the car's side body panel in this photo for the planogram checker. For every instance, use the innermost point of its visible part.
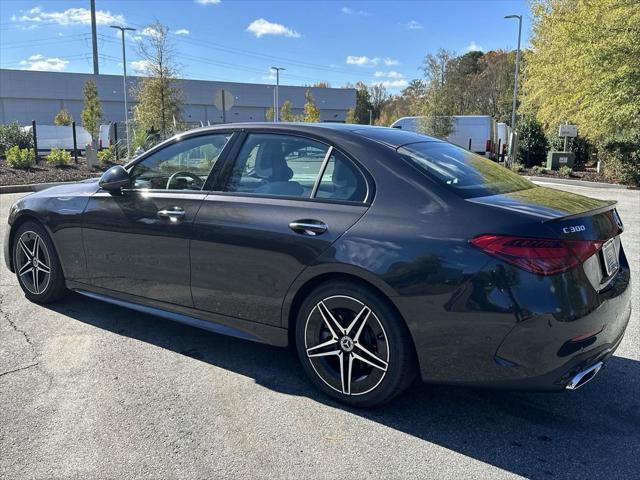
(131, 250)
(244, 255)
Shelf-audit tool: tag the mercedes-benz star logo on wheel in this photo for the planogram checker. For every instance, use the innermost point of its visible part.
(346, 343)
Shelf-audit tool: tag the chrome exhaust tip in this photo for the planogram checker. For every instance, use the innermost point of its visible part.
(584, 376)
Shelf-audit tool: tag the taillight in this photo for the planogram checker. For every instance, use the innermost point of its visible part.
(543, 256)
(487, 148)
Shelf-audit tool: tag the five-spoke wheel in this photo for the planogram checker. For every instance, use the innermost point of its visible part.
(33, 263)
(352, 344)
(36, 264)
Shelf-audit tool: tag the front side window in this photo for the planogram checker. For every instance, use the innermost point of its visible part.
(184, 165)
(274, 164)
(467, 174)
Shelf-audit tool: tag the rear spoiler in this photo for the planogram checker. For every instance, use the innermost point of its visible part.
(605, 208)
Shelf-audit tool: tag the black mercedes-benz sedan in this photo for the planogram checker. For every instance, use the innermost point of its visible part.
(379, 254)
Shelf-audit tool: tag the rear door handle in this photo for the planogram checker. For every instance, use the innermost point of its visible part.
(308, 227)
(173, 214)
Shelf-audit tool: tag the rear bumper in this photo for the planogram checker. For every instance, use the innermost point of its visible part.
(540, 347)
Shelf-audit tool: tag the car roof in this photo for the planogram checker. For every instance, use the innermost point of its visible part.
(392, 137)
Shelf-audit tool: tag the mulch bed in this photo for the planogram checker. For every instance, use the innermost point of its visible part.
(45, 173)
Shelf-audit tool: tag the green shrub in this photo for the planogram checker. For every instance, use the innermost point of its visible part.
(63, 118)
(532, 143)
(565, 171)
(58, 157)
(621, 159)
(20, 157)
(13, 135)
(580, 146)
(538, 170)
(517, 167)
(107, 156)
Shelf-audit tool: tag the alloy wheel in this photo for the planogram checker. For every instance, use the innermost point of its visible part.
(33, 262)
(347, 345)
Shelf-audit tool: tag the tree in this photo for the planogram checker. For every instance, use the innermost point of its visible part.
(268, 114)
(63, 118)
(363, 104)
(311, 112)
(532, 142)
(321, 85)
(92, 112)
(379, 97)
(286, 115)
(351, 116)
(584, 64)
(158, 95)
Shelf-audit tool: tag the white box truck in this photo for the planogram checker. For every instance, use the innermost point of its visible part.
(477, 133)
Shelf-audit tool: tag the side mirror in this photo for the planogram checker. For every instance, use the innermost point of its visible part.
(114, 179)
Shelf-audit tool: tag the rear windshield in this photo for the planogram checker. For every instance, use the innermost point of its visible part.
(468, 174)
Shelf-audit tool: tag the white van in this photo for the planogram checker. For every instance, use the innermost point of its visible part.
(504, 134)
(106, 136)
(55, 136)
(477, 133)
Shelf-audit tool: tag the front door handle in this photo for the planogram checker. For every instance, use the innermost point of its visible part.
(308, 227)
(173, 214)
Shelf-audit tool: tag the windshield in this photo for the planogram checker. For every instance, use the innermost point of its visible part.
(468, 174)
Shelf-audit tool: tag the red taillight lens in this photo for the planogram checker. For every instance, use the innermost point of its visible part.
(543, 256)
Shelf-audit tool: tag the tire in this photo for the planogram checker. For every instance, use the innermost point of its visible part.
(42, 279)
(353, 346)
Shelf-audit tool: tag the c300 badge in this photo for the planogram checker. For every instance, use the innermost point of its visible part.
(574, 229)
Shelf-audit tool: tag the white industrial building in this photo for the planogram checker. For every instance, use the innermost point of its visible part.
(30, 95)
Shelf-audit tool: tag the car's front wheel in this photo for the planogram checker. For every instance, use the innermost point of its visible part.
(353, 346)
(36, 264)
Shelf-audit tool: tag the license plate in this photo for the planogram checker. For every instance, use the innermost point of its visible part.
(610, 256)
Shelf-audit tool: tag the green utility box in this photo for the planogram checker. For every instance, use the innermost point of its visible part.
(555, 160)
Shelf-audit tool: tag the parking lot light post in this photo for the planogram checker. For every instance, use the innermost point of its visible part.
(124, 83)
(276, 110)
(515, 83)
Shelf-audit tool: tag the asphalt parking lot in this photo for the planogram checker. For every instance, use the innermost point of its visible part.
(91, 390)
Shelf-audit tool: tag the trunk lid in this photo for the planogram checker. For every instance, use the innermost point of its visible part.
(567, 215)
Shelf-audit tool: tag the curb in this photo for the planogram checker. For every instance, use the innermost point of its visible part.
(577, 183)
(31, 187)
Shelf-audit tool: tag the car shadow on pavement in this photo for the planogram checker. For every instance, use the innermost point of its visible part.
(590, 433)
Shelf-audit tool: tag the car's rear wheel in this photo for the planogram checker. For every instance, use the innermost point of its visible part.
(36, 264)
(353, 346)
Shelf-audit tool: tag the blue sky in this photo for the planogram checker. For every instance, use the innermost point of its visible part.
(334, 41)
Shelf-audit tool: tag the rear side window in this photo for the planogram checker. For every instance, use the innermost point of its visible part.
(468, 174)
(341, 180)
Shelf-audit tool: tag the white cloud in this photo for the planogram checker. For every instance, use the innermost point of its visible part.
(40, 62)
(473, 47)
(208, 2)
(351, 11)
(362, 61)
(140, 66)
(149, 32)
(392, 83)
(390, 62)
(182, 31)
(389, 74)
(70, 16)
(413, 25)
(262, 27)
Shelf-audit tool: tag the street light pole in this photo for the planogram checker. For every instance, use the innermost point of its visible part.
(276, 110)
(124, 83)
(515, 83)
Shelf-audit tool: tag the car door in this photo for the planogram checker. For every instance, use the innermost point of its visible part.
(285, 200)
(137, 241)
